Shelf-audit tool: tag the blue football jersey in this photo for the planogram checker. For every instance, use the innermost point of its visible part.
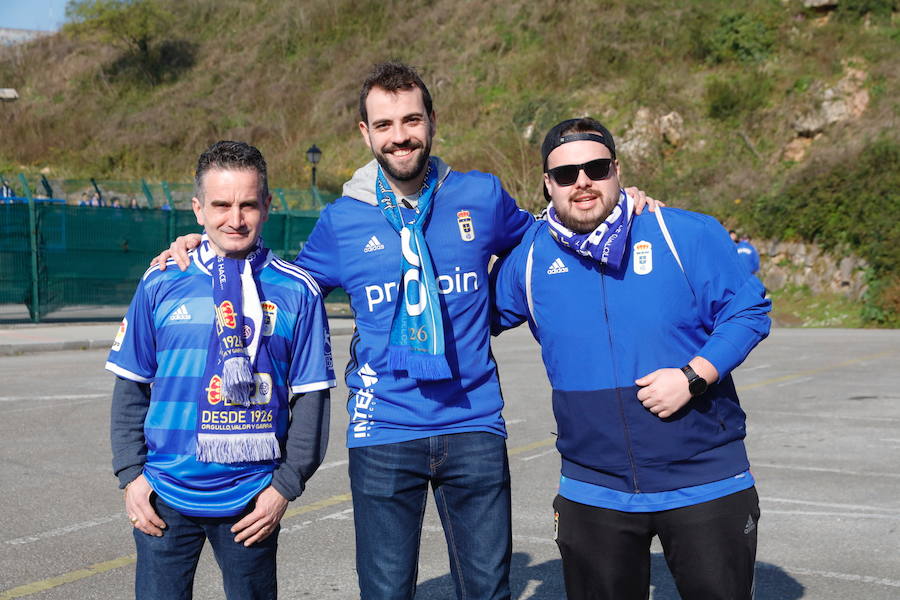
(354, 247)
(164, 340)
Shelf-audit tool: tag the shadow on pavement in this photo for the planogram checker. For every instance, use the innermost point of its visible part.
(544, 581)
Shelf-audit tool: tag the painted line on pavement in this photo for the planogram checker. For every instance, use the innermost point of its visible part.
(532, 446)
(799, 374)
(833, 575)
(47, 584)
(885, 509)
(813, 415)
(56, 397)
(825, 470)
(539, 454)
(68, 529)
(331, 465)
(842, 515)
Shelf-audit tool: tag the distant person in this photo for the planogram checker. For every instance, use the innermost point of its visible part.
(641, 321)
(236, 421)
(133, 203)
(115, 202)
(165, 206)
(747, 252)
(85, 201)
(95, 199)
(6, 192)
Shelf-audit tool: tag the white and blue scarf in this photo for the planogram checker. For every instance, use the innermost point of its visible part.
(607, 242)
(417, 331)
(229, 430)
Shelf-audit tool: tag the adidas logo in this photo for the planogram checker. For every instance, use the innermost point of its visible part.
(373, 245)
(750, 526)
(557, 267)
(181, 314)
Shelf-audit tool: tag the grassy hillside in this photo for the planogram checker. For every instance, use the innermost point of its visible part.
(284, 75)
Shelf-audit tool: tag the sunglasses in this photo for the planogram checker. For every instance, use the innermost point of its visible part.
(568, 174)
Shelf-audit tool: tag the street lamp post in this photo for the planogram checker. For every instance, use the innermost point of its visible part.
(313, 155)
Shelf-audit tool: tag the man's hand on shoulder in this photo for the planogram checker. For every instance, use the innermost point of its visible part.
(178, 250)
(138, 508)
(262, 521)
(641, 199)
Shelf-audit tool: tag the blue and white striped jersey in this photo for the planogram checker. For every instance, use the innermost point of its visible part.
(164, 340)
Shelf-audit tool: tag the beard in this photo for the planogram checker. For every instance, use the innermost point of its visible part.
(585, 222)
(412, 171)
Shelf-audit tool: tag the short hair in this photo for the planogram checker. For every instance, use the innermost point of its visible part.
(226, 154)
(392, 77)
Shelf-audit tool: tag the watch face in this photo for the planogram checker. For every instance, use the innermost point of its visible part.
(697, 386)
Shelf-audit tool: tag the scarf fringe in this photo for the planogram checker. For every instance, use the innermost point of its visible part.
(243, 447)
(237, 380)
(419, 365)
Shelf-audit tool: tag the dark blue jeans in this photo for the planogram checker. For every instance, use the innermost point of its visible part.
(166, 565)
(469, 473)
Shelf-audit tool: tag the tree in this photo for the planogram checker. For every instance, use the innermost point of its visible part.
(136, 26)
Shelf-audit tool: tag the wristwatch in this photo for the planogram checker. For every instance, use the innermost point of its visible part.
(696, 384)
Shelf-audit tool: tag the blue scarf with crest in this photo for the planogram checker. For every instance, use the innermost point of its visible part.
(417, 331)
(235, 418)
(607, 242)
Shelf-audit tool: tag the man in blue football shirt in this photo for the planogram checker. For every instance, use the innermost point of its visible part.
(640, 324)
(410, 242)
(237, 353)
(748, 253)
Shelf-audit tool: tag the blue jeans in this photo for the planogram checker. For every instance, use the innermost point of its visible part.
(166, 565)
(469, 473)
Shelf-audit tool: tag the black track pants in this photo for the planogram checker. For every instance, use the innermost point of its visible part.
(710, 549)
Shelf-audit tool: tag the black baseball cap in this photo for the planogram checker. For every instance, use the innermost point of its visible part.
(596, 133)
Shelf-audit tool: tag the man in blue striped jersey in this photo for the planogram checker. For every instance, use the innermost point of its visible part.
(220, 408)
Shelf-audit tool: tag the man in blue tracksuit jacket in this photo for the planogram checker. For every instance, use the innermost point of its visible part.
(641, 319)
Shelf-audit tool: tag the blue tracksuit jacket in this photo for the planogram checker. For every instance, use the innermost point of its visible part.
(601, 330)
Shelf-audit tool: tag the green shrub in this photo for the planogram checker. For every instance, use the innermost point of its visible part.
(739, 95)
(739, 37)
(853, 203)
(854, 10)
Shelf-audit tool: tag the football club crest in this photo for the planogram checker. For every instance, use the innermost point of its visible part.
(226, 316)
(214, 391)
(262, 393)
(466, 229)
(643, 258)
(120, 335)
(270, 316)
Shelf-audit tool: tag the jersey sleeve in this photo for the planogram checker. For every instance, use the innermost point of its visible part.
(511, 221)
(509, 300)
(312, 366)
(133, 353)
(733, 306)
(319, 257)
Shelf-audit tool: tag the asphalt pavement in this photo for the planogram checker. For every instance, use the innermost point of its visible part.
(823, 436)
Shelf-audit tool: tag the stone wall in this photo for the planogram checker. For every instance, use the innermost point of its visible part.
(802, 264)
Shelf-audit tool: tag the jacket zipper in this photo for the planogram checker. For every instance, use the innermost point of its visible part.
(612, 357)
